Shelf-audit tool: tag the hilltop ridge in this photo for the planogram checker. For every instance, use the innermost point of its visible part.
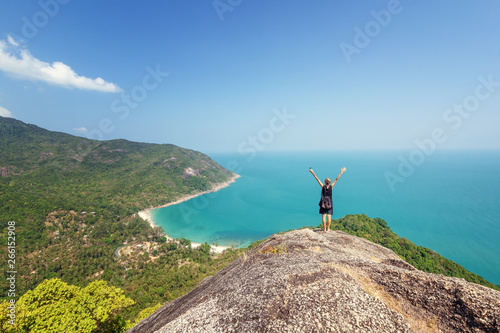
(84, 174)
(309, 281)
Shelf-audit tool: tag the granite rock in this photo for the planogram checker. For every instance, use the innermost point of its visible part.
(315, 281)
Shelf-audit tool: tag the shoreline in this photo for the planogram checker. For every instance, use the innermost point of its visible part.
(145, 214)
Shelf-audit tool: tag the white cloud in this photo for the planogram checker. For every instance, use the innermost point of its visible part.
(19, 62)
(80, 130)
(5, 113)
(12, 41)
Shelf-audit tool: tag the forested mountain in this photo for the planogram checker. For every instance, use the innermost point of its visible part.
(74, 200)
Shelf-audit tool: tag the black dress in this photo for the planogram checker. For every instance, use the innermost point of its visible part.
(326, 202)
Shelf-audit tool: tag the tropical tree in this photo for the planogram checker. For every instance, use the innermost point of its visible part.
(55, 306)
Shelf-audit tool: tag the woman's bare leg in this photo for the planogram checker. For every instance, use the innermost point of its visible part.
(324, 222)
(329, 222)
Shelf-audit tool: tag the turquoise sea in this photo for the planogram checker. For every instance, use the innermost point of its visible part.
(448, 201)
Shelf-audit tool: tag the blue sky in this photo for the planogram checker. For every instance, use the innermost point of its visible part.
(237, 75)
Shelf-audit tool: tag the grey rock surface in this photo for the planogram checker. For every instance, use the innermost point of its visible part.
(327, 282)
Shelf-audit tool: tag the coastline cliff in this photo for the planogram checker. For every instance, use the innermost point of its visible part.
(310, 281)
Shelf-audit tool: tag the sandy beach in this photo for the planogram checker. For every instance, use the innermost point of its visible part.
(146, 214)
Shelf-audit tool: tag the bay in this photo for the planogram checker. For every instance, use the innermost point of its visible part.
(448, 201)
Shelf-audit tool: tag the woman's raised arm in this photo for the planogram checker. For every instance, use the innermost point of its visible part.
(340, 174)
(319, 181)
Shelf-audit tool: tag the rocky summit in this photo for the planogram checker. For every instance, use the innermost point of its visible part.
(315, 281)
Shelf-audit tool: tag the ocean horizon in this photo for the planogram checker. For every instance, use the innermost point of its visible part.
(448, 201)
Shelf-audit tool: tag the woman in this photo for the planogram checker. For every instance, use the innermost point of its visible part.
(326, 203)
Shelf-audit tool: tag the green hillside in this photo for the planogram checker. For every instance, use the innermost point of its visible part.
(74, 199)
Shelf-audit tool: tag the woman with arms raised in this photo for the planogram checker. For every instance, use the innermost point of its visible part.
(326, 203)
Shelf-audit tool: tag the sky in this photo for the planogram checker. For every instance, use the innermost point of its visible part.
(240, 75)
